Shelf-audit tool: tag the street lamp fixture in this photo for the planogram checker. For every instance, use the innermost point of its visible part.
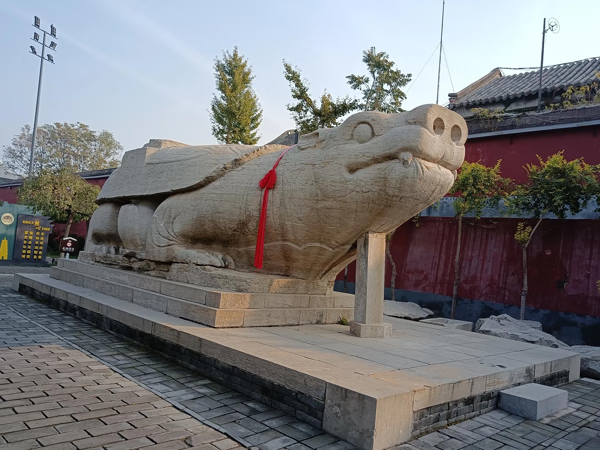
(43, 57)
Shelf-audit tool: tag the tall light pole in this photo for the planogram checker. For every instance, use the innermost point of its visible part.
(553, 26)
(43, 57)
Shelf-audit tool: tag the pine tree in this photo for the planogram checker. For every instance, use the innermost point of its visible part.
(235, 111)
(311, 114)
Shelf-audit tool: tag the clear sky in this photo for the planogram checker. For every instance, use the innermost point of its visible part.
(143, 69)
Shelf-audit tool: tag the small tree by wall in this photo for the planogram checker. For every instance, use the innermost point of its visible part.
(63, 196)
(477, 187)
(554, 187)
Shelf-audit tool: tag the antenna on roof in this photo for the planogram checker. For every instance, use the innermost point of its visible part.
(437, 97)
(553, 26)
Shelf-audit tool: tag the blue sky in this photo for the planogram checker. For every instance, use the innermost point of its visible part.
(143, 69)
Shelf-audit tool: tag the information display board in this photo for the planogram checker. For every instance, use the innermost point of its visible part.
(31, 239)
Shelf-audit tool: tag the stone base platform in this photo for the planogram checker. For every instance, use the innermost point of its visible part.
(275, 301)
(374, 393)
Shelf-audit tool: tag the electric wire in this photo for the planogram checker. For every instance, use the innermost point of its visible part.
(421, 71)
(448, 67)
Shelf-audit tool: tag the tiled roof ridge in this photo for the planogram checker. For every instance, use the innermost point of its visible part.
(554, 78)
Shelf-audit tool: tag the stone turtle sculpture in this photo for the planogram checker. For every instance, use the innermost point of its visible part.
(173, 203)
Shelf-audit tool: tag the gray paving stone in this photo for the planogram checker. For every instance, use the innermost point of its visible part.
(486, 431)
(252, 425)
(451, 444)
(279, 421)
(563, 444)
(237, 430)
(292, 432)
(582, 435)
(276, 444)
(488, 444)
(320, 440)
(265, 436)
(434, 438)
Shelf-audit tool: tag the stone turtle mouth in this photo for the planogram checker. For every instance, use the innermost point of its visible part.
(406, 157)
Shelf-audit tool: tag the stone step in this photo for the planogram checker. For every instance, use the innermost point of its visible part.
(219, 278)
(199, 305)
(215, 298)
(533, 401)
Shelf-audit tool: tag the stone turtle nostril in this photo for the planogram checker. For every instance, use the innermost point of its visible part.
(456, 134)
(439, 126)
(406, 158)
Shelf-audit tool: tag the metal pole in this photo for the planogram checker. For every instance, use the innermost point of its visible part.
(37, 105)
(539, 105)
(437, 97)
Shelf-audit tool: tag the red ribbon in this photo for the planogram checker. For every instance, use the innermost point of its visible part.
(268, 182)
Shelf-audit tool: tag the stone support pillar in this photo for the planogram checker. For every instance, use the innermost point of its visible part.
(370, 271)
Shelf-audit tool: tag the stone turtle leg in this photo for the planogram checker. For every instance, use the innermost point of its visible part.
(103, 234)
(133, 223)
(166, 243)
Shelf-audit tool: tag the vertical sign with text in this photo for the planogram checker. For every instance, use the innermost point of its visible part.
(32, 238)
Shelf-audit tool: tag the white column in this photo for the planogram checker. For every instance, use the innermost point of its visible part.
(370, 271)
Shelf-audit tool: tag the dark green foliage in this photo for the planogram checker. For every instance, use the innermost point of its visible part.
(310, 114)
(382, 87)
(61, 195)
(556, 186)
(478, 187)
(235, 111)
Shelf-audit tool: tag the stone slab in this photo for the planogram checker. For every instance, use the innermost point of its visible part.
(205, 305)
(222, 279)
(450, 323)
(533, 401)
(374, 391)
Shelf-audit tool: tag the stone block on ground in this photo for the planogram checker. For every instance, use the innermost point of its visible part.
(533, 401)
(405, 310)
(507, 327)
(590, 360)
(450, 323)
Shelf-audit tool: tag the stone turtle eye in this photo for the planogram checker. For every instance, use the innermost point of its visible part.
(363, 133)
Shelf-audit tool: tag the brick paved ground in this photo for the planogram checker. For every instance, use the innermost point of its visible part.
(42, 346)
(31, 332)
(577, 427)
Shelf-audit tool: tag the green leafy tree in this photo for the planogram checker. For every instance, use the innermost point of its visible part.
(235, 111)
(312, 114)
(477, 187)
(554, 187)
(382, 87)
(62, 195)
(72, 146)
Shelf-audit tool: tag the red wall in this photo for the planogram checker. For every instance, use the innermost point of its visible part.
(492, 261)
(562, 251)
(516, 150)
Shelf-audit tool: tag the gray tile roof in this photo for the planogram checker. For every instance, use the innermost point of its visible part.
(554, 78)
